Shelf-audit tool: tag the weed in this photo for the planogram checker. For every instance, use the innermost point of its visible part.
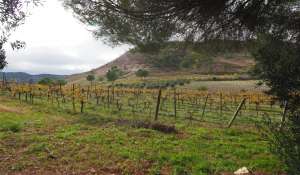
(10, 126)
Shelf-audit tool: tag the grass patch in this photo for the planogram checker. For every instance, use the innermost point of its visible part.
(46, 139)
(10, 126)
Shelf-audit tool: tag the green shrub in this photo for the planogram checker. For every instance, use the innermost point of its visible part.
(203, 88)
(278, 65)
(214, 78)
(113, 74)
(46, 81)
(142, 73)
(101, 79)
(61, 82)
(11, 126)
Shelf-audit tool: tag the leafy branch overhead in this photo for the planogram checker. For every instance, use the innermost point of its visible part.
(149, 23)
(12, 15)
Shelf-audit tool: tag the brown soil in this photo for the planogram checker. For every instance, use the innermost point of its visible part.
(254, 173)
(10, 109)
(148, 125)
(239, 62)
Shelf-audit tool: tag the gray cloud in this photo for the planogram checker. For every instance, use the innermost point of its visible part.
(58, 44)
(60, 61)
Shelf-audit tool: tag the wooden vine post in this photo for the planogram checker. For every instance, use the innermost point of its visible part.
(236, 112)
(32, 97)
(60, 90)
(284, 114)
(108, 98)
(73, 98)
(48, 94)
(221, 104)
(82, 101)
(97, 97)
(88, 94)
(175, 103)
(26, 96)
(113, 92)
(57, 98)
(204, 107)
(19, 95)
(256, 107)
(31, 94)
(157, 105)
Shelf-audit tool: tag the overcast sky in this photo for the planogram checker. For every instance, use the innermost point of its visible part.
(57, 43)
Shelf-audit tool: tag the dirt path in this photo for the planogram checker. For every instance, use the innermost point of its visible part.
(10, 109)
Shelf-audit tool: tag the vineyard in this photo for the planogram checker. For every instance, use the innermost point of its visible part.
(151, 104)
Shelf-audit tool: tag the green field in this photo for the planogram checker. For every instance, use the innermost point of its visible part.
(45, 139)
(227, 86)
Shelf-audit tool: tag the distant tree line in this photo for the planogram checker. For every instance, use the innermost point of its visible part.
(111, 75)
(50, 81)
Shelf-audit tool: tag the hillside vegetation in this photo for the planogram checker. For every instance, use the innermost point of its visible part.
(25, 77)
(212, 57)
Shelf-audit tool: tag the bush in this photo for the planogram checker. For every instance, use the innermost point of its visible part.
(214, 78)
(11, 126)
(101, 79)
(203, 88)
(142, 73)
(61, 82)
(155, 85)
(279, 66)
(90, 78)
(284, 142)
(113, 74)
(46, 81)
(50, 81)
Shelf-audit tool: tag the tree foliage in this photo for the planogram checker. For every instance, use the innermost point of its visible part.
(46, 81)
(61, 82)
(101, 78)
(2, 58)
(142, 73)
(12, 14)
(50, 81)
(149, 23)
(90, 78)
(113, 74)
(279, 66)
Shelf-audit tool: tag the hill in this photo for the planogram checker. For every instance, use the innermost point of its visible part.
(25, 77)
(130, 62)
(214, 57)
